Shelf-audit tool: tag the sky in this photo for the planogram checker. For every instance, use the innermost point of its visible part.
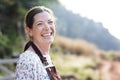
(105, 11)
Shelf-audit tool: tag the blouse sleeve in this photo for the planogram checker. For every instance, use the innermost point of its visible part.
(25, 69)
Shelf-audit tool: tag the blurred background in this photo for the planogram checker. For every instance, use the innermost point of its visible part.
(84, 49)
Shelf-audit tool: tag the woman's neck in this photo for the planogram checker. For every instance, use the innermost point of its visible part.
(43, 48)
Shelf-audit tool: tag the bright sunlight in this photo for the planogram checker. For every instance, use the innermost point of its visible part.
(105, 11)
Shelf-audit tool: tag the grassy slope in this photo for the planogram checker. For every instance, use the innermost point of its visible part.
(79, 66)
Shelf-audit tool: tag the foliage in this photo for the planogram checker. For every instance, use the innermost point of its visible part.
(4, 47)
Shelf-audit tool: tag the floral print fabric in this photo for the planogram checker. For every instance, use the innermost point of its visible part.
(30, 67)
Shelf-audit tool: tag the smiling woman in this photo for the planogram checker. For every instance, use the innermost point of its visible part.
(35, 63)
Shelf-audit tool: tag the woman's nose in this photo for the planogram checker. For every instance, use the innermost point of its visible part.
(47, 26)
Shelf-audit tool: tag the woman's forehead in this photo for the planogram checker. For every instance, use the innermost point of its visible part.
(43, 16)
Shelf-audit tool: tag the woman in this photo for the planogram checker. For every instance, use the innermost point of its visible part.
(35, 63)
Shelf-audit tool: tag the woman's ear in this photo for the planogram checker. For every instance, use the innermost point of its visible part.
(28, 31)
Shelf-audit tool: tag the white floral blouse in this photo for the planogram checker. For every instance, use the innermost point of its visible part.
(30, 67)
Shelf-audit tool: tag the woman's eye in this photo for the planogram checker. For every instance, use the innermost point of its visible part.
(39, 24)
(50, 22)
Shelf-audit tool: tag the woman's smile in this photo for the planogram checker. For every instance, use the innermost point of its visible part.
(47, 35)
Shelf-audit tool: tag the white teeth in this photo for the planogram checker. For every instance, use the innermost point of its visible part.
(45, 35)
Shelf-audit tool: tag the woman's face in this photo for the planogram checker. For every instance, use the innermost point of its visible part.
(43, 30)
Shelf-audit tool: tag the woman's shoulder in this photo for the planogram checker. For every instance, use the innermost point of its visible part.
(28, 56)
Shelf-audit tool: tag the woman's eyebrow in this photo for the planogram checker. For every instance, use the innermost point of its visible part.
(43, 21)
(38, 21)
(50, 20)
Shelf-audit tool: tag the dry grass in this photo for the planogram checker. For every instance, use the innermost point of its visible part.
(78, 66)
(77, 46)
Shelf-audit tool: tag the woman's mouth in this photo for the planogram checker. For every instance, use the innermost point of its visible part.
(47, 34)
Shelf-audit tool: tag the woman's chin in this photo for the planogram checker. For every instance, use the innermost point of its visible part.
(49, 41)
